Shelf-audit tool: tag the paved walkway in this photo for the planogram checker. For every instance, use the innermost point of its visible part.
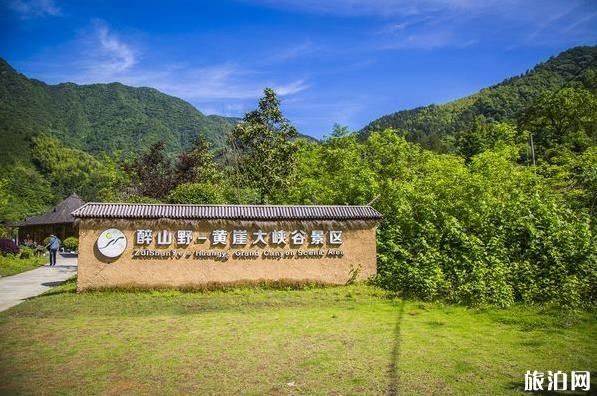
(16, 288)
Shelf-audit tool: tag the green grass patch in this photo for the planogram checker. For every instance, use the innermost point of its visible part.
(12, 265)
(318, 340)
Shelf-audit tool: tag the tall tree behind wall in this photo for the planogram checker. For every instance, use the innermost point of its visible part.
(265, 144)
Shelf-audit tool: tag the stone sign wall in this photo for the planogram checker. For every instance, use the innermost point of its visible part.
(183, 253)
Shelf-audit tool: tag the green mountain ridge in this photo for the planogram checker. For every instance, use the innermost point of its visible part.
(98, 117)
(432, 125)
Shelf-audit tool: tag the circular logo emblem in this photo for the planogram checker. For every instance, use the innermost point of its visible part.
(111, 243)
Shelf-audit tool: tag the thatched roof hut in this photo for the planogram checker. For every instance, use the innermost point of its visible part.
(58, 221)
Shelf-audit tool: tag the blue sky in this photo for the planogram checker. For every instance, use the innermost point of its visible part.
(332, 61)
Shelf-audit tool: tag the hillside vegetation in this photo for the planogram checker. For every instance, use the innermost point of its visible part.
(97, 118)
(65, 138)
(434, 126)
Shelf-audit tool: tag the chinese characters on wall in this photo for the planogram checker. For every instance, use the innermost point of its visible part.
(250, 244)
(241, 237)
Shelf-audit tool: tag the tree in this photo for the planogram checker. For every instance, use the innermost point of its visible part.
(564, 117)
(265, 144)
(152, 173)
(70, 170)
(195, 165)
(484, 136)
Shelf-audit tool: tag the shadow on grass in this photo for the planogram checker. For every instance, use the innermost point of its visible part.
(132, 302)
(258, 284)
(395, 358)
(59, 287)
(53, 284)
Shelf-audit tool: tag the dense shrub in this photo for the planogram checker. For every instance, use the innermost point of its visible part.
(71, 243)
(46, 241)
(7, 246)
(26, 252)
(11, 264)
(489, 231)
(196, 193)
(140, 199)
(532, 251)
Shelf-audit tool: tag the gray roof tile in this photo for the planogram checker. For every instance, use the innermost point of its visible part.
(231, 212)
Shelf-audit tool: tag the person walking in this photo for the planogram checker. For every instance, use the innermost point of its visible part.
(53, 247)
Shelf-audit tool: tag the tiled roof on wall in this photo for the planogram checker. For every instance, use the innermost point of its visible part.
(227, 212)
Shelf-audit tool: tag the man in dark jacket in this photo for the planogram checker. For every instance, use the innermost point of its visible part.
(53, 247)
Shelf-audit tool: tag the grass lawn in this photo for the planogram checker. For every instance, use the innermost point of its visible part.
(10, 265)
(342, 340)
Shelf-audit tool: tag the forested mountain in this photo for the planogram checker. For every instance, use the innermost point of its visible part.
(65, 138)
(432, 126)
(98, 117)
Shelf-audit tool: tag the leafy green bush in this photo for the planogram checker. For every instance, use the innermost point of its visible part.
(489, 231)
(46, 241)
(7, 246)
(141, 199)
(11, 265)
(26, 252)
(197, 193)
(71, 243)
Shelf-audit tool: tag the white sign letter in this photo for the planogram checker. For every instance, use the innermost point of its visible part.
(298, 237)
(336, 237)
(279, 237)
(580, 379)
(164, 237)
(239, 237)
(184, 237)
(144, 237)
(219, 237)
(317, 237)
(259, 237)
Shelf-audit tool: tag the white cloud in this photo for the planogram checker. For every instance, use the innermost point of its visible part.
(586, 19)
(34, 8)
(382, 8)
(563, 23)
(101, 55)
(428, 24)
(292, 52)
(291, 88)
(394, 27)
(225, 109)
(98, 55)
(428, 40)
(120, 57)
(216, 83)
